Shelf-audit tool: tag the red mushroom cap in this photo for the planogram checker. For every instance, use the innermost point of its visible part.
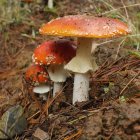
(54, 52)
(36, 75)
(85, 26)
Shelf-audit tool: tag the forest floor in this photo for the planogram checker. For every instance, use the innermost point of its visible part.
(113, 111)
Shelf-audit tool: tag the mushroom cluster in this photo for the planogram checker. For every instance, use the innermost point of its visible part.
(49, 59)
(85, 28)
(54, 55)
(60, 57)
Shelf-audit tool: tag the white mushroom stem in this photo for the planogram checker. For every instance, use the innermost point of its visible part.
(81, 65)
(57, 87)
(58, 75)
(81, 87)
(50, 4)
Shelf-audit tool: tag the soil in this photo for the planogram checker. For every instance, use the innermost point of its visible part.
(113, 111)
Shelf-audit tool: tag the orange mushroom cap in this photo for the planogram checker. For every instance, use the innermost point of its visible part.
(54, 52)
(85, 26)
(36, 75)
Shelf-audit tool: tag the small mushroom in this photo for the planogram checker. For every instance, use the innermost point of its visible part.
(38, 77)
(55, 54)
(50, 4)
(85, 28)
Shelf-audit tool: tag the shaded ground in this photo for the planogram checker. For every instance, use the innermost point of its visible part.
(110, 113)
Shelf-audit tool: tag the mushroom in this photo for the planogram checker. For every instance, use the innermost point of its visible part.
(55, 54)
(85, 28)
(50, 4)
(38, 77)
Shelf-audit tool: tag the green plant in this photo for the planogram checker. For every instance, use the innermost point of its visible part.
(122, 99)
(51, 11)
(11, 12)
